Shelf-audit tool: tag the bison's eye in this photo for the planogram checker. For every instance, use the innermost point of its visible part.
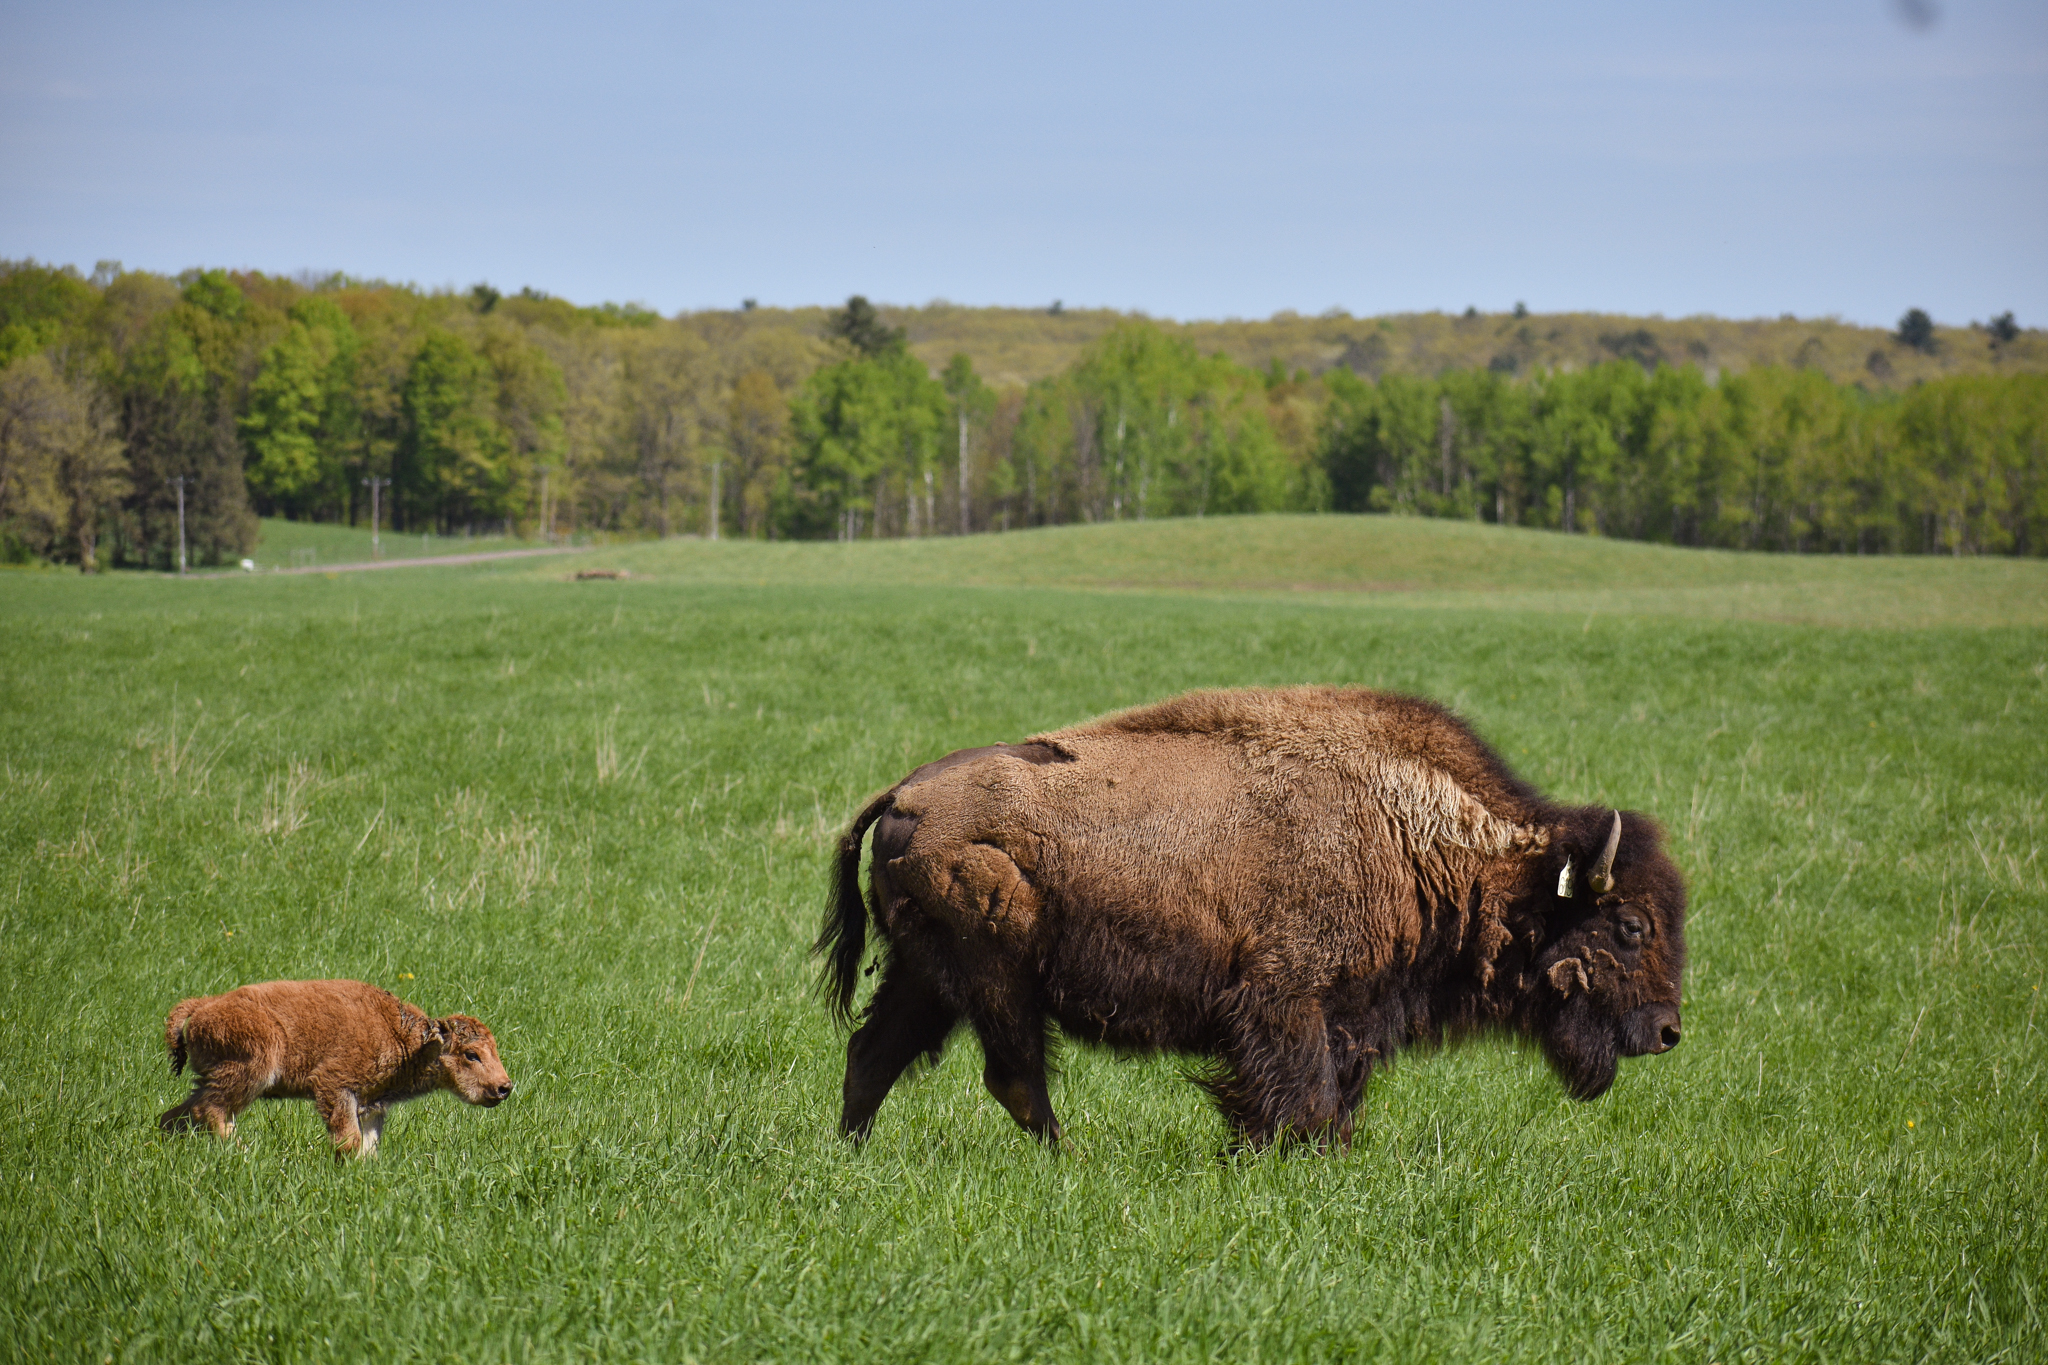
(1632, 927)
(472, 1056)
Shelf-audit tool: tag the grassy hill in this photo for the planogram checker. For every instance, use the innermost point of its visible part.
(1404, 562)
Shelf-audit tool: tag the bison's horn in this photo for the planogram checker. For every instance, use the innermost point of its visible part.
(1601, 878)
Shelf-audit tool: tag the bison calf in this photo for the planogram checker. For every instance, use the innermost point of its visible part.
(352, 1049)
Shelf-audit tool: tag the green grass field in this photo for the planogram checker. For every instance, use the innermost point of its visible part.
(596, 814)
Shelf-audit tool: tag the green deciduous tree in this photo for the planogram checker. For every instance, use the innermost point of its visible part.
(61, 464)
(973, 402)
(673, 422)
(452, 464)
(177, 361)
(757, 434)
(39, 306)
(1145, 426)
(867, 430)
(302, 422)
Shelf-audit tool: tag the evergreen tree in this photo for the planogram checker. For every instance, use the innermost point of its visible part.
(861, 327)
(1916, 329)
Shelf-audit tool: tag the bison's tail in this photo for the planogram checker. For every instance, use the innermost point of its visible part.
(843, 939)
(174, 1031)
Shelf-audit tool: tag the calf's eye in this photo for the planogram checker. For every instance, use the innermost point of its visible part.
(472, 1056)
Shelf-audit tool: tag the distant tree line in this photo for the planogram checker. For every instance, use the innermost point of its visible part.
(1767, 459)
(247, 394)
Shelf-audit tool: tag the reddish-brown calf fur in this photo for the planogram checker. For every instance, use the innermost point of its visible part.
(352, 1049)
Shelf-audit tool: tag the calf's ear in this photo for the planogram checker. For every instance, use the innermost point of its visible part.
(433, 1040)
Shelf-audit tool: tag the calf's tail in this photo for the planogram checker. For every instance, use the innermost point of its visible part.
(844, 937)
(174, 1031)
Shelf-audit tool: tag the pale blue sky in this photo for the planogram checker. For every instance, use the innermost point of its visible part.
(1744, 159)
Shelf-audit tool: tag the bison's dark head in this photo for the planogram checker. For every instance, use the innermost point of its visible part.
(1607, 974)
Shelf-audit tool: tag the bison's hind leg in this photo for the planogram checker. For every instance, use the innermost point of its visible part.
(905, 1021)
(1013, 1069)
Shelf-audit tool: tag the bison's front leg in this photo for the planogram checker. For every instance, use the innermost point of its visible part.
(1283, 1081)
(905, 1020)
(1353, 1069)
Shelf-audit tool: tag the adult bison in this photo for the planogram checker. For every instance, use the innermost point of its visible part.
(1296, 882)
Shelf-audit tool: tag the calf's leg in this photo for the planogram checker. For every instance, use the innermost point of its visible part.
(906, 1020)
(338, 1111)
(224, 1091)
(370, 1119)
(179, 1117)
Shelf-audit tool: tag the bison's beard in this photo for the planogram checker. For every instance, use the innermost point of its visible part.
(1582, 1049)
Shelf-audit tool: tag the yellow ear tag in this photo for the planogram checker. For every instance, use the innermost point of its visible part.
(1564, 880)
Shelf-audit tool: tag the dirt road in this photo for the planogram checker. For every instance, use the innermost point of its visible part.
(418, 562)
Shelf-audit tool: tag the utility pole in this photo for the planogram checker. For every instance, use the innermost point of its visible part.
(179, 484)
(1447, 422)
(715, 465)
(373, 484)
(963, 468)
(547, 524)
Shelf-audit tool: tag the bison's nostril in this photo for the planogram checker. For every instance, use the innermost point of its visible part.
(1670, 1036)
(506, 1088)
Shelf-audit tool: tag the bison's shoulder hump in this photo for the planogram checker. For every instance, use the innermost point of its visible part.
(1282, 711)
(1336, 726)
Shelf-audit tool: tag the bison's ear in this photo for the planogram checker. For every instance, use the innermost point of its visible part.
(1566, 975)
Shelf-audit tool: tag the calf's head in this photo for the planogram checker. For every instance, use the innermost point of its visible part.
(1608, 973)
(469, 1060)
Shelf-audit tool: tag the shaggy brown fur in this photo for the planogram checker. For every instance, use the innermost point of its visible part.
(350, 1048)
(1296, 882)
